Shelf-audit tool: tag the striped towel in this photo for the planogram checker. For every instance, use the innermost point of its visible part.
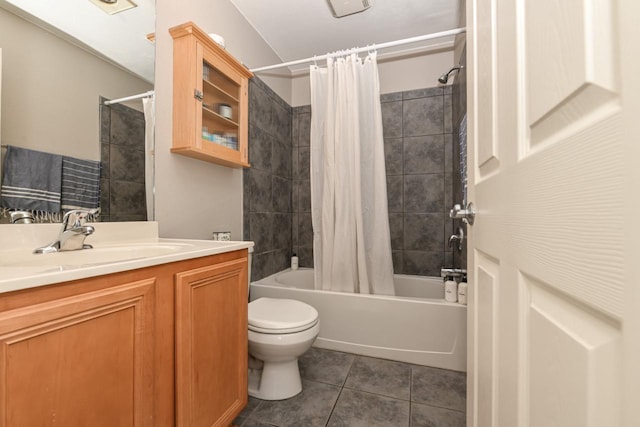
(31, 181)
(80, 184)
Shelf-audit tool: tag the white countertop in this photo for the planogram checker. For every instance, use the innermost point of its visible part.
(117, 247)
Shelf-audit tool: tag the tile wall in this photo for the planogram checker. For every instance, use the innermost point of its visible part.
(267, 184)
(418, 154)
(301, 160)
(122, 155)
(418, 142)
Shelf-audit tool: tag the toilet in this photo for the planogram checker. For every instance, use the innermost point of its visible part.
(280, 331)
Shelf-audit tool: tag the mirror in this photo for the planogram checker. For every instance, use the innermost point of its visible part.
(58, 60)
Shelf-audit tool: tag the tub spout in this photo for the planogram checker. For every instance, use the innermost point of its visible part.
(454, 272)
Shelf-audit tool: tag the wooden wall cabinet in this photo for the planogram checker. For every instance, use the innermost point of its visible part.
(210, 99)
(100, 351)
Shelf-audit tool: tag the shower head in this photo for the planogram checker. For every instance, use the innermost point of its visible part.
(445, 77)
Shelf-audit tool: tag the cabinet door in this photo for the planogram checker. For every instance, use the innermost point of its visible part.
(211, 344)
(84, 360)
(223, 107)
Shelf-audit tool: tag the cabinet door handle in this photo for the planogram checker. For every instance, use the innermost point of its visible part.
(197, 94)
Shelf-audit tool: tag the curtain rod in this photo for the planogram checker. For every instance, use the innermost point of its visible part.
(365, 49)
(130, 98)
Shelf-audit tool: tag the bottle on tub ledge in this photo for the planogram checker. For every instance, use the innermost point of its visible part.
(294, 262)
(450, 289)
(462, 293)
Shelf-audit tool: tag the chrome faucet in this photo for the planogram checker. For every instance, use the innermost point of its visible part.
(72, 234)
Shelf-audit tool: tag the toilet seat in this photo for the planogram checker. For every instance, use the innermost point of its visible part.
(280, 316)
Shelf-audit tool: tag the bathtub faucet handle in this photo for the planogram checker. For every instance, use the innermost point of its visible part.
(459, 236)
(468, 214)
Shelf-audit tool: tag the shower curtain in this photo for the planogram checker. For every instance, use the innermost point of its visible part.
(148, 105)
(351, 244)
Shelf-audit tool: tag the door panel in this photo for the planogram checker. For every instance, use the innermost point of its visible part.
(487, 152)
(488, 319)
(574, 365)
(571, 72)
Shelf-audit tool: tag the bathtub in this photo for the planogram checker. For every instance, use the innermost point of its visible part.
(416, 326)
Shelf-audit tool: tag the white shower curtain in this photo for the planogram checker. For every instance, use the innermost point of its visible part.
(351, 244)
(148, 105)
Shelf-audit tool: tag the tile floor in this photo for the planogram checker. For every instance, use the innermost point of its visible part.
(341, 389)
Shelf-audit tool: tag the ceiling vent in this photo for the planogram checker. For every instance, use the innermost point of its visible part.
(341, 8)
(114, 6)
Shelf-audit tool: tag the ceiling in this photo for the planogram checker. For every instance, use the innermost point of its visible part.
(294, 29)
(297, 29)
(121, 37)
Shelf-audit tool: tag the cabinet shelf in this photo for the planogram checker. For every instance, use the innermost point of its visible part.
(202, 67)
(222, 92)
(217, 117)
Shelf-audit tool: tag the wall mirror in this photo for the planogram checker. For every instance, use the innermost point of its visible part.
(60, 60)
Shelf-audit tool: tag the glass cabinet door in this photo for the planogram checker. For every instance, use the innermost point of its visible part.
(220, 108)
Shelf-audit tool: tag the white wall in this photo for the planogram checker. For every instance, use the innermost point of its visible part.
(195, 198)
(51, 90)
(396, 75)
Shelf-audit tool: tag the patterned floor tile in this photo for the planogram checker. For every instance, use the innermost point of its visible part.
(380, 376)
(430, 416)
(325, 366)
(310, 408)
(360, 409)
(439, 387)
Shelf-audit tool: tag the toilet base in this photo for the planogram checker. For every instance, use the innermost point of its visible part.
(275, 381)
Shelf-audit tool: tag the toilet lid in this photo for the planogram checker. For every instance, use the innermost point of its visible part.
(275, 315)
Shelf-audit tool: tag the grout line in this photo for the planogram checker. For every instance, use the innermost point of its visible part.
(349, 371)
(334, 406)
(441, 407)
(411, 384)
(378, 394)
(341, 389)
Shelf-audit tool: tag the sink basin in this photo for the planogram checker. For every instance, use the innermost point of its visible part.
(88, 257)
(117, 247)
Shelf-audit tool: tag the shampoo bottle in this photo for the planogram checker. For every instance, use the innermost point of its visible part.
(450, 290)
(462, 293)
(294, 262)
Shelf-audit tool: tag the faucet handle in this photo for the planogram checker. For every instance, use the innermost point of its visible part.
(77, 217)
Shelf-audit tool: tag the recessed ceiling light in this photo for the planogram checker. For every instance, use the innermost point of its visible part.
(114, 6)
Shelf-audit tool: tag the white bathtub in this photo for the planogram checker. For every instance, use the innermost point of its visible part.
(415, 326)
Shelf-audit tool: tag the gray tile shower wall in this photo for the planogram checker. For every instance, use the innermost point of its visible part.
(267, 185)
(418, 144)
(418, 148)
(122, 148)
(302, 233)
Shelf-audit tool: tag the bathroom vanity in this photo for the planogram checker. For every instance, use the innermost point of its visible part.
(138, 332)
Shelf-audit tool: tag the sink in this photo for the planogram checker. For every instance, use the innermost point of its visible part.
(88, 257)
(117, 247)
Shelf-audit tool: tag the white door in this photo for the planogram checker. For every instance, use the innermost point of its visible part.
(549, 176)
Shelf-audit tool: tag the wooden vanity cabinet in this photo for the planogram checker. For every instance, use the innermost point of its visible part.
(210, 100)
(100, 351)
